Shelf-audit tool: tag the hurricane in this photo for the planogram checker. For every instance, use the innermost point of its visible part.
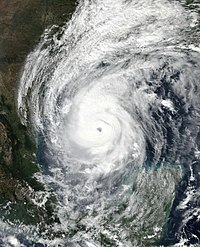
(113, 99)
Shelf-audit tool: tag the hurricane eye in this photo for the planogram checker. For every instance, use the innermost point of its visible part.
(99, 129)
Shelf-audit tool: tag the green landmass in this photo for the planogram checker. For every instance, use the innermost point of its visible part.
(21, 25)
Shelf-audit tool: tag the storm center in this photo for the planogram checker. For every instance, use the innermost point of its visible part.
(99, 129)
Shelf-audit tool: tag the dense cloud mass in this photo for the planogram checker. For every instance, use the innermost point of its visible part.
(113, 99)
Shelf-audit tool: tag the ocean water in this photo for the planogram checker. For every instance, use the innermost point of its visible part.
(113, 100)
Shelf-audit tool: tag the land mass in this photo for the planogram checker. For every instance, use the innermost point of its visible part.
(21, 25)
